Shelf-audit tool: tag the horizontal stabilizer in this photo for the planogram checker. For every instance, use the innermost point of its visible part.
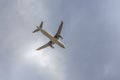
(38, 28)
(41, 25)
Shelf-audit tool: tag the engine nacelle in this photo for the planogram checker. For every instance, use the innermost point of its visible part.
(51, 46)
(60, 36)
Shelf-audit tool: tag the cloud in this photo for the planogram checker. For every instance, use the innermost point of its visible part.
(19, 57)
(44, 63)
(91, 35)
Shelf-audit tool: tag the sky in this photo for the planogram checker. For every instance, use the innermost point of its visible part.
(91, 32)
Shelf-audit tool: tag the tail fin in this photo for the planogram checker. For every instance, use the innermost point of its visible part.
(38, 28)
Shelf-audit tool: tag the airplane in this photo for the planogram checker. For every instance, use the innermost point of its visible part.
(53, 39)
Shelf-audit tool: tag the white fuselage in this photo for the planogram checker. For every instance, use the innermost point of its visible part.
(53, 39)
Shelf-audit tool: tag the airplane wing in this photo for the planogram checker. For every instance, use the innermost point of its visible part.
(44, 46)
(60, 28)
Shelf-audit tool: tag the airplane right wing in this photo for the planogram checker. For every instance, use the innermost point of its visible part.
(57, 35)
(60, 28)
(44, 46)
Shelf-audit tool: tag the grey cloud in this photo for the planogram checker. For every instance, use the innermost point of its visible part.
(91, 35)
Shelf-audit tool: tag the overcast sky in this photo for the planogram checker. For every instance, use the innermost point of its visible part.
(91, 34)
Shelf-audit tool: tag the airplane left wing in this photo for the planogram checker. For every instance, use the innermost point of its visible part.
(44, 46)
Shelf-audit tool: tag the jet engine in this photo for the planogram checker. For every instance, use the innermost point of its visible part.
(60, 36)
(51, 46)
